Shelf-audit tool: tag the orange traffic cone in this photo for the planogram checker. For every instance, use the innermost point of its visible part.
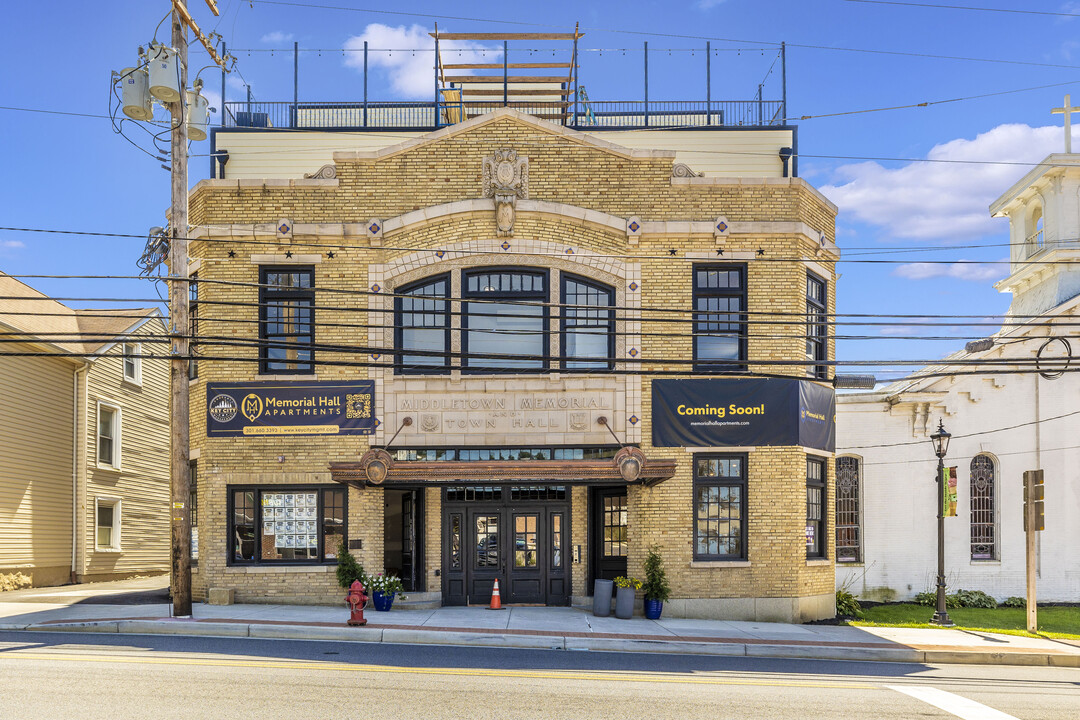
(496, 599)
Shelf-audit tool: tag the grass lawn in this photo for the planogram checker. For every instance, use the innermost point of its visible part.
(1056, 622)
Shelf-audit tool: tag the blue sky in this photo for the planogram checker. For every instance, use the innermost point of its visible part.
(844, 56)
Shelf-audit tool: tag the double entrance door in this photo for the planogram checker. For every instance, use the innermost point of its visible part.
(518, 535)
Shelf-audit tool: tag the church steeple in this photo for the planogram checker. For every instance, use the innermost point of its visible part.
(1044, 230)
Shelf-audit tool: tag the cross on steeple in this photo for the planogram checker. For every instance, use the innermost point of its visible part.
(1067, 111)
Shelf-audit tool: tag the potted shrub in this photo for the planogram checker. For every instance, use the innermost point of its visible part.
(348, 568)
(383, 589)
(655, 588)
(624, 596)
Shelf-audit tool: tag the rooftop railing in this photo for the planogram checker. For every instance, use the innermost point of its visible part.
(594, 115)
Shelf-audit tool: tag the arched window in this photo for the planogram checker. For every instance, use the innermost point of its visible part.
(422, 319)
(588, 326)
(511, 318)
(848, 525)
(983, 524)
(1034, 241)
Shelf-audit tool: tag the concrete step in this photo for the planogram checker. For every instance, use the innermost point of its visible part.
(418, 601)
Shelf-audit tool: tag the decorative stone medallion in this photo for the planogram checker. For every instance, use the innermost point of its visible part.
(505, 178)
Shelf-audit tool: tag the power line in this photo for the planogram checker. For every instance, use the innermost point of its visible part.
(720, 258)
(965, 435)
(644, 33)
(967, 7)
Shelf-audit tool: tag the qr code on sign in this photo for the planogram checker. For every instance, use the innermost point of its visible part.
(358, 406)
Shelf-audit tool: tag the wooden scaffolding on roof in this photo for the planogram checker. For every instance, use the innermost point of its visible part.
(537, 88)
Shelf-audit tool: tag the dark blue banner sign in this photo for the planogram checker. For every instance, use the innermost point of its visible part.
(290, 408)
(743, 412)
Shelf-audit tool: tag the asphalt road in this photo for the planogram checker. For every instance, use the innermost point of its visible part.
(60, 675)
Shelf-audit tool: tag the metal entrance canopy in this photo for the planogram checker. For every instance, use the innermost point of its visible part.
(378, 468)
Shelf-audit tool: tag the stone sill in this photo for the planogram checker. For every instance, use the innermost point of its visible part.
(719, 563)
(985, 562)
(818, 561)
(257, 569)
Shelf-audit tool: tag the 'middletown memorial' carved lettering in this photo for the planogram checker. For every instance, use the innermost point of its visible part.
(507, 412)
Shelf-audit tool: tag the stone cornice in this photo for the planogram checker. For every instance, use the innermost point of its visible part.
(1054, 164)
(485, 206)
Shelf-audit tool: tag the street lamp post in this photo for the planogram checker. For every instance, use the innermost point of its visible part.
(941, 446)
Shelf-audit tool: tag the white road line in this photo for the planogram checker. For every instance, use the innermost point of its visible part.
(961, 707)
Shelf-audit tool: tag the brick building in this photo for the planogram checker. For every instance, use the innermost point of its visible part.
(444, 345)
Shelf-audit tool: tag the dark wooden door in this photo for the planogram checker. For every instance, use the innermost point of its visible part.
(487, 553)
(607, 534)
(526, 563)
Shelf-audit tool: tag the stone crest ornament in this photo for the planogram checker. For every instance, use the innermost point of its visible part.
(429, 422)
(326, 172)
(505, 178)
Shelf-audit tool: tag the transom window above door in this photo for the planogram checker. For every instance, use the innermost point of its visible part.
(506, 320)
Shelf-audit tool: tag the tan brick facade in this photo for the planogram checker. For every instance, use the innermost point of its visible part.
(580, 194)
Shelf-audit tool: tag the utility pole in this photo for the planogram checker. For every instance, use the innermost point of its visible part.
(178, 318)
(1033, 523)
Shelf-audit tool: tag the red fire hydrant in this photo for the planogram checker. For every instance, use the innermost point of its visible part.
(356, 599)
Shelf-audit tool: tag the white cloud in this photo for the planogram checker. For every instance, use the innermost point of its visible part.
(412, 74)
(898, 330)
(975, 272)
(276, 37)
(11, 244)
(943, 200)
(707, 4)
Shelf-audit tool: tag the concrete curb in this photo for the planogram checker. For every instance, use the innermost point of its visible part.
(420, 636)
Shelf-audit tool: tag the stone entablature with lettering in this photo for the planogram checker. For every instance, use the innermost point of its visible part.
(510, 417)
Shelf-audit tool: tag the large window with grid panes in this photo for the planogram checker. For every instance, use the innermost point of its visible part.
(720, 301)
(817, 545)
(510, 320)
(720, 507)
(286, 320)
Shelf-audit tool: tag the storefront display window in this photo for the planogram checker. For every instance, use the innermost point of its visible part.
(305, 524)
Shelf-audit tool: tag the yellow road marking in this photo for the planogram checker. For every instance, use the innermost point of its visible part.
(390, 669)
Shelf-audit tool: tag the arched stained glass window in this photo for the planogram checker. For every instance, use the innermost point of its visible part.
(848, 525)
(983, 522)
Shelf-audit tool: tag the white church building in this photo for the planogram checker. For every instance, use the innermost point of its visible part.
(1001, 424)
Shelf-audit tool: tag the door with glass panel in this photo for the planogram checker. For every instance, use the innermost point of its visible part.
(486, 552)
(607, 534)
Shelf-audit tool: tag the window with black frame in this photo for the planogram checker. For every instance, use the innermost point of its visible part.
(720, 507)
(193, 321)
(719, 317)
(817, 328)
(285, 524)
(983, 514)
(848, 516)
(514, 323)
(422, 321)
(816, 544)
(588, 326)
(286, 327)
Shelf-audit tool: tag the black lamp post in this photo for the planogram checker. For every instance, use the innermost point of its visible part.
(941, 446)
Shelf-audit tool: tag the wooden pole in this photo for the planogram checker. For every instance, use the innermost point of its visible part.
(1029, 550)
(180, 474)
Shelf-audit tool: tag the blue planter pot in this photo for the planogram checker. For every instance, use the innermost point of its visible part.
(382, 602)
(653, 608)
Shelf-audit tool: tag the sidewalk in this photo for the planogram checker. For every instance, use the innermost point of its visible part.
(94, 609)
